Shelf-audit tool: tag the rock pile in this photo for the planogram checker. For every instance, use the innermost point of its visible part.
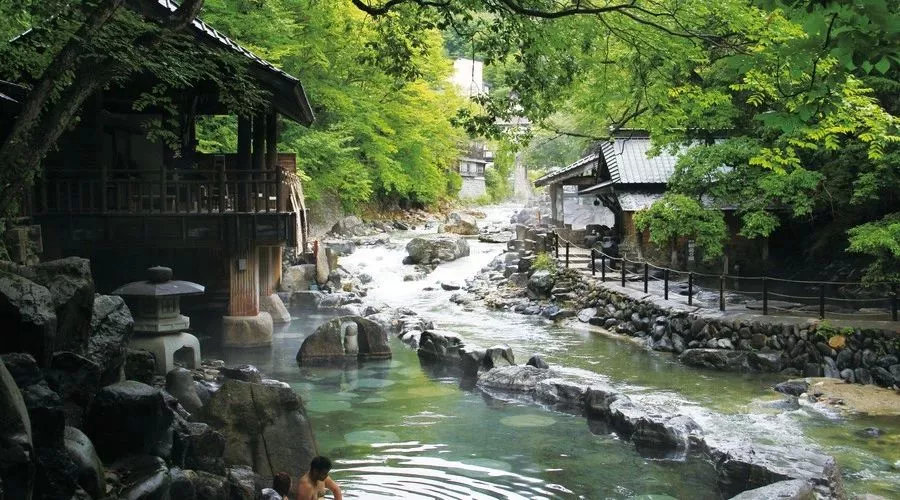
(79, 417)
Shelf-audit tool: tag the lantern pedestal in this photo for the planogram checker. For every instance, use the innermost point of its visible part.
(163, 348)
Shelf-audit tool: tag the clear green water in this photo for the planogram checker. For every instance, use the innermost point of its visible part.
(396, 432)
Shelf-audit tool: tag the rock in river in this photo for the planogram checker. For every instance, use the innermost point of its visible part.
(346, 338)
(436, 247)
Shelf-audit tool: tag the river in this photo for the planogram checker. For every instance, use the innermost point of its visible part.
(394, 431)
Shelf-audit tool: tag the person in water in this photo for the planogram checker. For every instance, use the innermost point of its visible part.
(281, 488)
(314, 483)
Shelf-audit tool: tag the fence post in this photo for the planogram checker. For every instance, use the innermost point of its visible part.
(722, 292)
(646, 275)
(603, 267)
(666, 284)
(765, 294)
(556, 243)
(567, 255)
(593, 263)
(894, 302)
(690, 288)
(822, 301)
(623, 271)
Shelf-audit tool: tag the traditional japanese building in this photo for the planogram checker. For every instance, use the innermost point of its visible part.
(620, 178)
(128, 202)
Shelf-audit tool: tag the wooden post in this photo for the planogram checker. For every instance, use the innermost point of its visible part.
(646, 275)
(244, 161)
(556, 244)
(822, 301)
(243, 297)
(690, 288)
(603, 267)
(765, 295)
(272, 165)
(666, 284)
(593, 263)
(259, 162)
(722, 292)
(567, 255)
(623, 271)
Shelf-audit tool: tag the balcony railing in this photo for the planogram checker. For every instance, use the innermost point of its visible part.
(221, 189)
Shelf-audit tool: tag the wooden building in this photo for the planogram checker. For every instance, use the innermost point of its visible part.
(623, 178)
(125, 201)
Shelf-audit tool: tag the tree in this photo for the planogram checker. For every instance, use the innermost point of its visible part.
(675, 217)
(91, 50)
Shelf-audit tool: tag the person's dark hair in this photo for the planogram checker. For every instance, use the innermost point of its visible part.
(282, 484)
(320, 464)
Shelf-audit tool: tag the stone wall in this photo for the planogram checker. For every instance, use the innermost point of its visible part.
(472, 187)
(749, 343)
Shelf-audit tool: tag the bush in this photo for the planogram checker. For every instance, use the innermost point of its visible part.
(544, 262)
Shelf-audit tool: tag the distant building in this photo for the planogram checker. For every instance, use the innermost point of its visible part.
(475, 157)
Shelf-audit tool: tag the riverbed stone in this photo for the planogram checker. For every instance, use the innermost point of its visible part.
(497, 356)
(436, 247)
(795, 489)
(538, 362)
(129, 418)
(715, 359)
(792, 387)
(540, 283)
(461, 223)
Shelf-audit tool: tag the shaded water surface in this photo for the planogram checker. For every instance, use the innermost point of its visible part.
(397, 432)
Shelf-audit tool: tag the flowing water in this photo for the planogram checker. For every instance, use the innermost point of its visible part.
(395, 431)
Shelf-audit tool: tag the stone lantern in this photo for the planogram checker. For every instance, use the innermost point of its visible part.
(159, 326)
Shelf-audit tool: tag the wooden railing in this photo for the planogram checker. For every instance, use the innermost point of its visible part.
(143, 192)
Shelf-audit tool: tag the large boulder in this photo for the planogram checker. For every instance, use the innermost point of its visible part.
(350, 225)
(27, 318)
(111, 328)
(346, 338)
(461, 223)
(91, 476)
(72, 290)
(541, 283)
(130, 418)
(744, 466)
(17, 466)
(436, 248)
(441, 348)
(264, 426)
(298, 278)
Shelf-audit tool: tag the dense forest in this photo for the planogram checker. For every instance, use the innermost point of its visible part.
(784, 109)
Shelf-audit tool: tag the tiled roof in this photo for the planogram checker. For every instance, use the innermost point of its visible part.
(629, 163)
(633, 201)
(572, 170)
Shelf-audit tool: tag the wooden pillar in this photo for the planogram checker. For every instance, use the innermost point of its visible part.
(271, 141)
(269, 270)
(259, 142)
(243, 160)
(243, 282)
(553, 202)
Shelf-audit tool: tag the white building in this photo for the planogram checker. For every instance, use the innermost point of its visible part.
(474, 156)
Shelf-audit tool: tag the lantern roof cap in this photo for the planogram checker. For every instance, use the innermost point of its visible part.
(159, 284)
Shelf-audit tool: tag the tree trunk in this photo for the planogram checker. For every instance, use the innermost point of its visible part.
(40, 122)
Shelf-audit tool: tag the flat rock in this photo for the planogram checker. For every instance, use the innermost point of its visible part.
(129, 418)
(796, 489)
